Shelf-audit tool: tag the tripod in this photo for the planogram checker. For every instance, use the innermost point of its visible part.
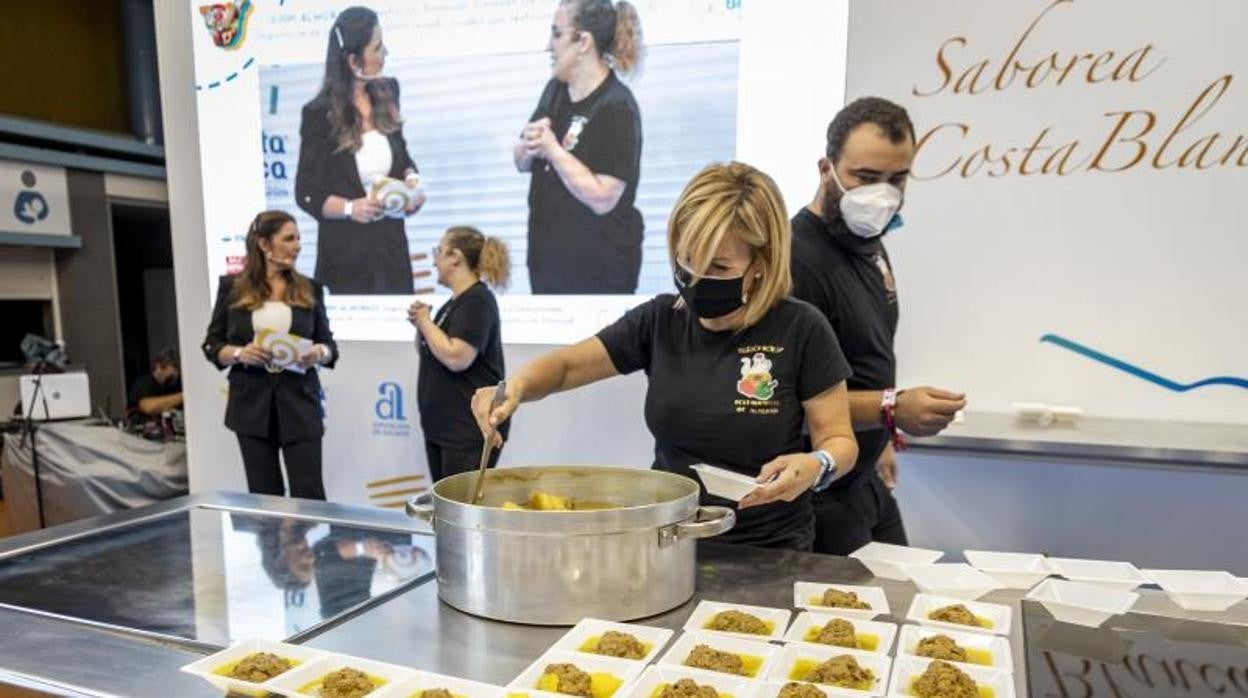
(29, 429)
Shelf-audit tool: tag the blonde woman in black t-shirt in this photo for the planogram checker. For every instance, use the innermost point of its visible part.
(582, 146)
(460, 348)
(735, 366)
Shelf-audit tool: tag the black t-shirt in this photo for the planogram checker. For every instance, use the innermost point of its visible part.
(850, 280)
(146, 386)
(731, 399)
(571, 248)
(443, 396)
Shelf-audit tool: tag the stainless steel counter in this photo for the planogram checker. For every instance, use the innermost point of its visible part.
(414, 629)
(1102, 439)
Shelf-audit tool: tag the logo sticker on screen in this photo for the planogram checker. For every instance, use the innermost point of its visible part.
(227, 22)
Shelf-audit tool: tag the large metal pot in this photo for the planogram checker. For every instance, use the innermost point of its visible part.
(556, 567)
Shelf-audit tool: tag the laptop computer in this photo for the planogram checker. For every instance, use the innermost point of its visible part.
(62, 396)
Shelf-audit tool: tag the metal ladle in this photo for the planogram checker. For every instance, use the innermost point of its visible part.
(500, 396)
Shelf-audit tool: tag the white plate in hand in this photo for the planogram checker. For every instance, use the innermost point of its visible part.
(724, 483)
(808, 595)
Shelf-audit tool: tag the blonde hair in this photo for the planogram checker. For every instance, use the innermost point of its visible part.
(486, 256)
(740, 200)
(616, 28)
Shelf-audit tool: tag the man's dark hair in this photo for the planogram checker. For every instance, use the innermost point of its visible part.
(891, 118)
(166, 357)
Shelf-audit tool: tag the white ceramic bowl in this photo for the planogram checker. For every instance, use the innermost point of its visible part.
(211, 668)
(656, 676)
(906, 669)
(425, 680)
(705, 611)
(724, 483)
(297, 682)
(888, 561)
(998, 615)
(956, 579)
(1113, 574)
(807, 594)
(1012, 570)
(590, 628)
(993, 650)
(625, 670)
(881, 635)
(791, 655)
(765, 652)
(1199, 590)
(1089, 605)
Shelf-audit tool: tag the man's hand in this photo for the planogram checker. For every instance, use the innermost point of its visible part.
(926, 411)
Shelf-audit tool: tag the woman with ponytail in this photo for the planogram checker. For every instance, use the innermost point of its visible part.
(350, 134)
(269, 408)
(582, 147)
(460, 348)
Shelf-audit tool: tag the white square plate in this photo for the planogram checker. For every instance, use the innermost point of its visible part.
(793, 655)
(626, 670)
(906, 669)
(1082, 604)
(590, 629)
(1013, 570)
(807, 594)
(1198, 590)
(996, 614)
(881, 635)
(300, 683)
(425, 680)
(705, 611)
(1107, 573)
(214, 667)
(888, 561)
(771, 689)
(956, 579)
(653, 678)
(764, 652)
(991, 651)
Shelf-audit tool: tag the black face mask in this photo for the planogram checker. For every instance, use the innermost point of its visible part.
(710, 298)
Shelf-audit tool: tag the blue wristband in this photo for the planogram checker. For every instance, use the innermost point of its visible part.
(827, 470)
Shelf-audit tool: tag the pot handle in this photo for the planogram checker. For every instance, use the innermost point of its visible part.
(420, 506)
(706, 522)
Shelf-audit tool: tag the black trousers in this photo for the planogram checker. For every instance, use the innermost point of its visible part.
(848, 519)
(264, 471)
(445, 461)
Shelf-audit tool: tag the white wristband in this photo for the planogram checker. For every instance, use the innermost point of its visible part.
(348, 208)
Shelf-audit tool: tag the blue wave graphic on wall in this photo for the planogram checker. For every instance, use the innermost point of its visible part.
(1138, 372)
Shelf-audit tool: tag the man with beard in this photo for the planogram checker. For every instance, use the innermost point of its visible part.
(841, 267)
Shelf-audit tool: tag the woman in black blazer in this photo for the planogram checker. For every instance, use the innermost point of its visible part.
(350, 134)
(270, 408)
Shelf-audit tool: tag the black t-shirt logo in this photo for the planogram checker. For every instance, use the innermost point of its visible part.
(756, 381)
(573, 136)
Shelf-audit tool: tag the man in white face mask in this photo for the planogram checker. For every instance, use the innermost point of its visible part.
(840, 266)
